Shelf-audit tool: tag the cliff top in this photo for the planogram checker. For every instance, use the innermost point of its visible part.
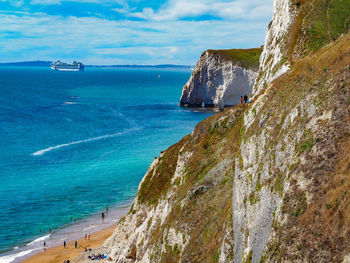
(317, 24)
(185, 200)
(247, 58)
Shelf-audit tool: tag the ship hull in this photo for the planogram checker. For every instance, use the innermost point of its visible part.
(59, 66)
(66, 69)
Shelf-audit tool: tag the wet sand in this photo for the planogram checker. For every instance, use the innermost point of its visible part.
(59, 254)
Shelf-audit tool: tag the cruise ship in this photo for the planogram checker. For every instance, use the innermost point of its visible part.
(61, 66)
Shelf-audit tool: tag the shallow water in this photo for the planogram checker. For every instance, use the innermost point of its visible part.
(73, 142)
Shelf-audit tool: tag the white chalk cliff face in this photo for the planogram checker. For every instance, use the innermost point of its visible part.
(253, 182)
(217, 82)
(133, 239)
(274, 59)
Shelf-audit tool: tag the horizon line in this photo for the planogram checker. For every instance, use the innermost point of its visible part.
(45, 62)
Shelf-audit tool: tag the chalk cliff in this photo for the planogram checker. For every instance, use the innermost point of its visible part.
(221, 77)
(262, 182)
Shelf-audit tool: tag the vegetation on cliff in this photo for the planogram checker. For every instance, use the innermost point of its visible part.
(267, 181)
(299, 138)
(318, 23)
(246, 58)
(299, 28)
(201, 208)
(315, 212)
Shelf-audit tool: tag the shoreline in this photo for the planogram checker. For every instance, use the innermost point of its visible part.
(99, 230)
(58, 254)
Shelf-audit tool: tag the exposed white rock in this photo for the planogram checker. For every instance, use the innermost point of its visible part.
(217, 82)
(257, 192)
(273, 60)
(180, 167)
(226, 247)
(347, 259)
(131, 240)
(176, 238)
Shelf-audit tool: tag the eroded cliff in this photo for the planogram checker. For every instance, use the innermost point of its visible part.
(298, 28)
(221, 77)
(267, 181)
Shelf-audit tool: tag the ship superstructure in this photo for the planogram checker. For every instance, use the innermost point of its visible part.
(61, 66)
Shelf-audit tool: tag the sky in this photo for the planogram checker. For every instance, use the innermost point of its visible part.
(144, 32)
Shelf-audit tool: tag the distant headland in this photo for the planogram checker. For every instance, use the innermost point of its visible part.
(40, 63)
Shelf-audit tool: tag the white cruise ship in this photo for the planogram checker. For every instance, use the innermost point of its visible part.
(61, 66)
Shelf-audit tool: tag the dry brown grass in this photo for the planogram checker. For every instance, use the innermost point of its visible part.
(156, 185)
(319, 231)
(206, 216)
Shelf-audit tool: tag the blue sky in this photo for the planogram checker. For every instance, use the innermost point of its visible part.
(128, 31)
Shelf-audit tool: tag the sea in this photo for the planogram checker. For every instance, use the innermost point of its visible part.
(73, 143)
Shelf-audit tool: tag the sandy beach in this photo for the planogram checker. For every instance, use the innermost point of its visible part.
(59, 254)
(99, 231)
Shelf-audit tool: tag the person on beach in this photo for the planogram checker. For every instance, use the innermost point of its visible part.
(64, 243)
(107, 209)
(85, 236)
(241, 101)
(103, 216)
(44, 243)
(76, 244)
(89, 236)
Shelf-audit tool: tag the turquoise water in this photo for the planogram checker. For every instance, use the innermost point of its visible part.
(73, 142)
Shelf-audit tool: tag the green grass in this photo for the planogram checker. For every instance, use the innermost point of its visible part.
(327, 20)
(177, 249)
(253, 199)
(247, 58)
(158, 181)
(307, 146)
(318, 23)
(249, 257)
(215, 258)
(307, 143)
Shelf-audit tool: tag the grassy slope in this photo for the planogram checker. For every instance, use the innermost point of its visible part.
(318, 231)
(247, 58)
(206, 216)
(318, 23)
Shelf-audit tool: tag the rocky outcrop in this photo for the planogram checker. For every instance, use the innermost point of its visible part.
(219, 79)
(274, 59)
(266, 182)
(262, 182)
(299, 28)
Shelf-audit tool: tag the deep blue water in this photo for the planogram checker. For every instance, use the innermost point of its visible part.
(73, 142)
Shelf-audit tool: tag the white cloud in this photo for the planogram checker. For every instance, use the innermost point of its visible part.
(15, 2)
(93, 40)
(58, 2)
(231, 10)
(45, 2)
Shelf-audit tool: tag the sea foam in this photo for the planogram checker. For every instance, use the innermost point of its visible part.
(40, 239)
(43, 151)
(12, 257)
